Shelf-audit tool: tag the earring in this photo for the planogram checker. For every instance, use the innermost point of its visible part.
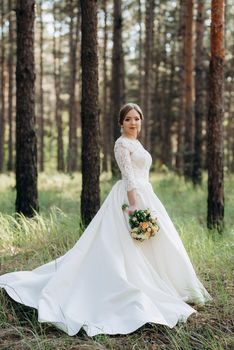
(121, 129)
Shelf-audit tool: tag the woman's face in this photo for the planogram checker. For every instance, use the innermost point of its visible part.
(132, 124)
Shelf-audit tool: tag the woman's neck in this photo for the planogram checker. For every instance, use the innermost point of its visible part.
(129, 137)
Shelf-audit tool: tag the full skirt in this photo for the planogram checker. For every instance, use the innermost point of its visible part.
(110, 283)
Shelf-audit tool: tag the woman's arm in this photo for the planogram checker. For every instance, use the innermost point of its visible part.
(123, 158)
(132, 199)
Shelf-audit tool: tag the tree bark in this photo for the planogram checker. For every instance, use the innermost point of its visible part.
(105, 119)
(181, 116)
(10, 89)
(26, 142)
(199, 98)
(41, 104)
(189, 115)
(57, 86)
(215, 214)
(149, 33)
(232, 148)
(117, 93)
(90, 195)
(167, 137)
(3, 87)
(157, 96)
(73, 41)
(230, 130)
(140, 88)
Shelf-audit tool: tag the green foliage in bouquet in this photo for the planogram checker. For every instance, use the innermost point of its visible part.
(139, 216)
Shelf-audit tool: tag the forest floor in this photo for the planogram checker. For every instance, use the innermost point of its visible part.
(26, 244)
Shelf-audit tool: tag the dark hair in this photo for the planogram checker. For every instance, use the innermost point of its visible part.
(128, 107)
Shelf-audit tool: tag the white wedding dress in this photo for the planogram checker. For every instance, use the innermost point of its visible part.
(108, 282)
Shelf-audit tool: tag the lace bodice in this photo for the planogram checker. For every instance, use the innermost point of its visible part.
(133, 160)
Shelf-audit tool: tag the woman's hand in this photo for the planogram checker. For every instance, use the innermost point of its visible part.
(131, 209)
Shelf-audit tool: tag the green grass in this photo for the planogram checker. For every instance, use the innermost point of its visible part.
(28, 243)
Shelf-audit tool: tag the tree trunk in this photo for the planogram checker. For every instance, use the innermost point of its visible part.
(10, 88)
(189, 122)
(105, 118)
(73, 41)
(26, 142)
(228, 130)
(181, 116)
(90, 195)
(157, 99)
(162, 105)
(117, 94)
(149, 31)
(232, 149)
(204, 153)
(3, 83)
(78, 104)
(167, 137)
(57, 86)
(215, 214)
(41, 104)
(140, 88)
(199, 99)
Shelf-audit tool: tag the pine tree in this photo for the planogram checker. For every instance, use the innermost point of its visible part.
(90, 195)
(117, 89)
(215, 214)
(189, 115)
(26, 142)
(199, 98)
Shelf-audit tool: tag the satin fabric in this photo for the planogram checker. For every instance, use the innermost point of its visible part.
(110, 283)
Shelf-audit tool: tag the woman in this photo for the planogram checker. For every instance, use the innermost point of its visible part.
(108, 282)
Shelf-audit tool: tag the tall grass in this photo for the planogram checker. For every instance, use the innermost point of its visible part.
(27, 243)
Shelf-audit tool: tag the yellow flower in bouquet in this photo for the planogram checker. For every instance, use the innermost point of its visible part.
(143, 226)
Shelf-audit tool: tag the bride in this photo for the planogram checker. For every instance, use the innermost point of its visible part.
(109, 282)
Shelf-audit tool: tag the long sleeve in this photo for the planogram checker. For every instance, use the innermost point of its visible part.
(123, 159)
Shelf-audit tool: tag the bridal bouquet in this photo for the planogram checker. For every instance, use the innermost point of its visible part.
(143, 226)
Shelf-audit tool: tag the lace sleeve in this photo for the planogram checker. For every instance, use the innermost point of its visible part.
(123, 159)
